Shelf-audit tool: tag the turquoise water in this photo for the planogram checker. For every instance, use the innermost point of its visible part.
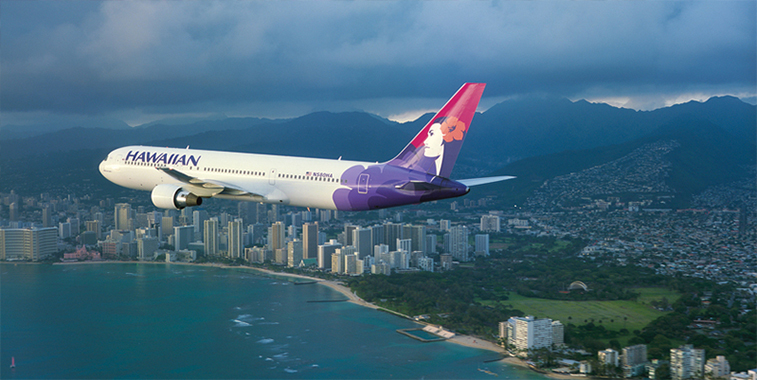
(174, 321)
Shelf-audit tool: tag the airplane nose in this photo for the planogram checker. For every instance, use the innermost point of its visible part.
(105, 169)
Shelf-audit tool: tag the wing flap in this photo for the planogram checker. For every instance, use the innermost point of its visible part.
(206, 188)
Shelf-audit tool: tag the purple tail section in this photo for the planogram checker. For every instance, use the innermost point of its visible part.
(435, 148)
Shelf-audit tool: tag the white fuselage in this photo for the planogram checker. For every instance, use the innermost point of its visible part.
(296, 181)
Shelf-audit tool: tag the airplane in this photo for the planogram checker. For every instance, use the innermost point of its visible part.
(179, 178)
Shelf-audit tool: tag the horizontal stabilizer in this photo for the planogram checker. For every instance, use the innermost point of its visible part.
(418, 186)
(483, 181)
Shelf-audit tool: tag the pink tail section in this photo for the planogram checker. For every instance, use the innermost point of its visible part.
(435, 148)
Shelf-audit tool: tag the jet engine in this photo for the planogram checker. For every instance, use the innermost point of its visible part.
(169, 196)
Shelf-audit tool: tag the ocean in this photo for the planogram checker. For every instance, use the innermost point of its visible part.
(163, 321)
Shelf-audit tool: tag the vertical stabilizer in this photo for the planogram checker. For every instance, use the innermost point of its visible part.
(435, 148)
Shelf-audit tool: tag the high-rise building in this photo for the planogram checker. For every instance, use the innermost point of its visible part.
(381, 254)
(445, 261)
(296, 219)
(426, 264)
(717, 368)
(490, 223)
(94, 226)
(247, 212)
(381, 268)
(47, 216)
(634, 360)
(276, 236)
(198, 221)
(75, 226)
(64, 230)
(608, 357)
(255, 233)
(325, 216)
(558, 333)
(28, 243)
(257, 254)
(122, 215)
(310, 240)
(430, 244)
(350, 264)
(527, 333)
(141, 220)
(280, 256)
(210, 237)
(444, 225)
(404, 245)
(294, 253)
(377, 235)
(348, 235)
(458, 241)
(13, 212)
(361, 239)
(166, 225)
(236, 239)
(146, 248)
(418, 236)
(183, 236)
(337, 261)
(686, 362)
(224, 218)
(482, 244)
(392, 232)
(325, 251)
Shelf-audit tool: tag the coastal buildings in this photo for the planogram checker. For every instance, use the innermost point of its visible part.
(717, 368)
(122, 216)
(522, 334)
(28, 243)
(634, 360)
(211, 236)
(608, 357)
(686, 362)
(310, 240)
(236, 239)
(325, 251)
(294, 253)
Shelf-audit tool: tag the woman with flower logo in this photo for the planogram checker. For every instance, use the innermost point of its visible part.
(444, 130)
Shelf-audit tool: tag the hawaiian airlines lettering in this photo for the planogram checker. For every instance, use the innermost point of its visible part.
(156, 158)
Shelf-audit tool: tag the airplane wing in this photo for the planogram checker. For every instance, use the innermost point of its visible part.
(206, 188)
(482, 181)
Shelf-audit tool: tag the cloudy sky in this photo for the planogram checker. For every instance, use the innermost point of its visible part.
(143, 60)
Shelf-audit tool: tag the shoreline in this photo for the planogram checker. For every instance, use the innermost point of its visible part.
(463, 340)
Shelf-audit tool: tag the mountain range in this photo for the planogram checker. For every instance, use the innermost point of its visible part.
(533, 138)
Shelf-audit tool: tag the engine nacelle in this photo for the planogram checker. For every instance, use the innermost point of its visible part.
(169, 196)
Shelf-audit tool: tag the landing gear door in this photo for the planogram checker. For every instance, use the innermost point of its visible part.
(362, 184)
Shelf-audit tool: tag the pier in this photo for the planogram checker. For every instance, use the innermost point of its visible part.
(439, 332)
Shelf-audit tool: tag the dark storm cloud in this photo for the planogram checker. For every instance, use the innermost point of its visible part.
(170, 57)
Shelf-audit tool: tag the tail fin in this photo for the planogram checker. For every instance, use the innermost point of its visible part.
(435, 148)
